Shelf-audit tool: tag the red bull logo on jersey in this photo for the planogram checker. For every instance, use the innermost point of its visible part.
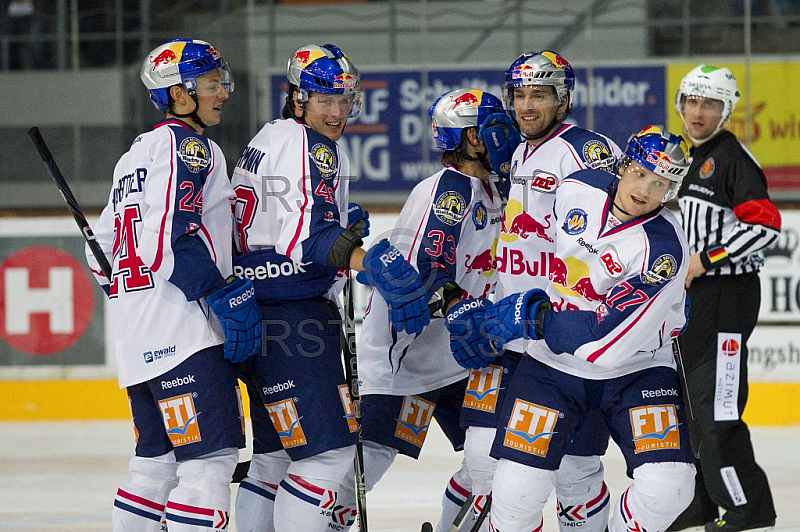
(571, 277)
(483, 387)
(530, 428)
(286, 421)
(472, 97)
(350, 412)
(482, 262)
(654, 427)
(415, 419)
(524, 225)
(180, 419)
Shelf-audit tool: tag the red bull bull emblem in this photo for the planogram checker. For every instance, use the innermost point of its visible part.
(571, 278)
(482, 262)
(556, 59)
(302, 56)
(522, 71)
(165, 57)
(468, 98)
(526, 225)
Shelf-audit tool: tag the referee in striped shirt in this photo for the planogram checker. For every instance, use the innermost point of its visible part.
(728, 219)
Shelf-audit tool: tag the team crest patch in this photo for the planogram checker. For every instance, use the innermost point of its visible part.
(194, 154)
(283, 415)
(707, 170)
(415, 419)
(513, 169)
(596, 155)
(480, 216)
(180, 419)
(655, 427)
(575, 223)
(530, 428)
(664, 268)
(483, 388)
(325, 160)
(450, 207)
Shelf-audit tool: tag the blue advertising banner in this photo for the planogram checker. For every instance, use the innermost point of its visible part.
(390, 145)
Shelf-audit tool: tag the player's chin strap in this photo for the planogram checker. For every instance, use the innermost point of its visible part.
(482, 158)
(193, 114)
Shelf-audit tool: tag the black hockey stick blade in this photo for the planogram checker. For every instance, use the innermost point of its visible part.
(240, 472)
(427, 527)
(69, 197)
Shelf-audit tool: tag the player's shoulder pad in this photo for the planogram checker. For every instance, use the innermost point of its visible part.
(593, 148)
(452, 197)
(666, 254)
(598, 179)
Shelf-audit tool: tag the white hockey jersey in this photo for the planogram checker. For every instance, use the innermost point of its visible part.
(166, 232)
(618, 288)
(291, 187)
(448, 229)
(526, 241)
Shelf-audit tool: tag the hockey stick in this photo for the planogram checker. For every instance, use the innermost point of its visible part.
(455, 526)
(351, 374)
(72, 203)
(676, 352)
(482, 516)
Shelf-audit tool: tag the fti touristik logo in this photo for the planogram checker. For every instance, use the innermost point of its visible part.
(415, 418)
(483, 388)
(180, 419)
(287, 423)
(530, 428)
(350, 413)
(655, 427)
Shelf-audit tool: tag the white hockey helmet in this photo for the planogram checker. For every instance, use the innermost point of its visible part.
(715, 83)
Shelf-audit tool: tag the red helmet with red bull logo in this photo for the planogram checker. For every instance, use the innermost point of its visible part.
(538, 68)
(458, 109)
(661, 152)
(325, 69)
(179, 62)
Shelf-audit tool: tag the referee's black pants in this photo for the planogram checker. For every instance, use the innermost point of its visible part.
(723, 304)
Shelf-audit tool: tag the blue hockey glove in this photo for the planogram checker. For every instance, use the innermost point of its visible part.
(470, 347)
(235, 306)
(517, 316)
(399, 284)
(358, 220)
(501, 139)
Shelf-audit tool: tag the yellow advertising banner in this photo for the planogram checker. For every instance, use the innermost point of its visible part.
(775, 138)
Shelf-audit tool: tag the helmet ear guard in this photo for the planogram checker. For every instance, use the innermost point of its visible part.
(661, 152)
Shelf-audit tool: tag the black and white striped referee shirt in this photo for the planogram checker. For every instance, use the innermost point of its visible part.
(725, 208)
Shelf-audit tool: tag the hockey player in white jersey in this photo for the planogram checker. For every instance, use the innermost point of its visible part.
(537, 93)
(614, 305)
(292, 186)
(448, 227)
(173, 301)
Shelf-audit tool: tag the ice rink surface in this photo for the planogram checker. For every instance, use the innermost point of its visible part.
(58, 476)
